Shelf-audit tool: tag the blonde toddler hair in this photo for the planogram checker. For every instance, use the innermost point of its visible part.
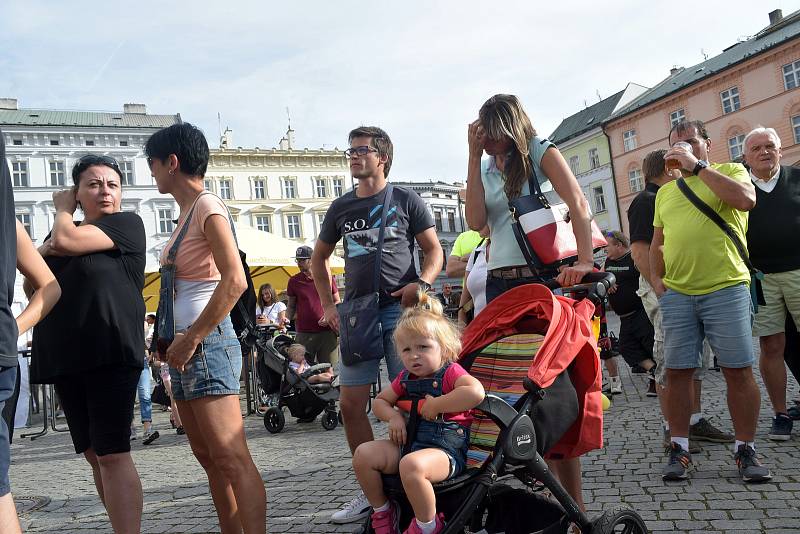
(427, 319)
(294, 350)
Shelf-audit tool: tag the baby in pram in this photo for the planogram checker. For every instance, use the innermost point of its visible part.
(428, 345)
(297, 361)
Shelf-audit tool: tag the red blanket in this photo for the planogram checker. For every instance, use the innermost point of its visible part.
(568, 324)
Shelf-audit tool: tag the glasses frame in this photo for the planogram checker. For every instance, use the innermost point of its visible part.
(88, 160)
(360, 151)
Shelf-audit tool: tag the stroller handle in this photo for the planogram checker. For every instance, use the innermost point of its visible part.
(594, 285)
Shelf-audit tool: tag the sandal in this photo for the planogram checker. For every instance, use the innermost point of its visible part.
(180, 431)
(794, 412)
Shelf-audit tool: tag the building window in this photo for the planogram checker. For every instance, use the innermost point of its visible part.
(796, 128)
(437, 217)
(123, 143)
(574, 164)
(736, 146)
(25, 220)
(594, 158)
(57, 173)
(127, 172)
(629, 140)
(791, 75)
(19, 171)
(225, 189)
(90, 142)
(17, 142)
(259, 188)
(165, 224)
(730, 100)
(635, 180)
(451, 221)
(263, 223)
(338, 187)
(321, 187)
(54, 142)
(676, 116)
(289, 188)
(208, 184)
(320, 220)
(293, 227)
(599, 200)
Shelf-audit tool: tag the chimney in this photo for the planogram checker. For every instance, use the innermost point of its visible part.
(137, 109)
(290, 138)
(284, 144)
(8, 103)
(674, 70)
(775, 17)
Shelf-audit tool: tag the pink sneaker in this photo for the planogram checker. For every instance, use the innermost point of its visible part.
(388, 521)
(413, 528)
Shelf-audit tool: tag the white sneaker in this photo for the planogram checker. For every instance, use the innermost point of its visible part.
(616, 387)
(353, 511)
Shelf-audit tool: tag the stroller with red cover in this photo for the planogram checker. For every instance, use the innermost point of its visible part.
(536, 356)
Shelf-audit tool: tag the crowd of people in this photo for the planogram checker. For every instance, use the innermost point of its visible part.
(685, 291)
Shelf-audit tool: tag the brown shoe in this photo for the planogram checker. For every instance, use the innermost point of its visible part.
(703, 430)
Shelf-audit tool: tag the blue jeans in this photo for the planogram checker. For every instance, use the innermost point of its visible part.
(724, 317)
(144, 390)
(365, 373)
(213, 370)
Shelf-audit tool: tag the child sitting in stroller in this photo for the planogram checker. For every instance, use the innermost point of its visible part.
(428, 345)
(297, 361)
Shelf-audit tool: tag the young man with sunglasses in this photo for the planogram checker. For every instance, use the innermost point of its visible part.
(356, 217)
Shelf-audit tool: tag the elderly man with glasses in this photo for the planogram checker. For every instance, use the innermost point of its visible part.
(305, 311)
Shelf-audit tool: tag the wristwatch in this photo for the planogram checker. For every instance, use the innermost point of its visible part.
(699, 166)
(423, 285)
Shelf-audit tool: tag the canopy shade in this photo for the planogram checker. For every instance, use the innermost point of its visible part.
(271, 261)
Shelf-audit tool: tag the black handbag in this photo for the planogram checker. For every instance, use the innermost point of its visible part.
(756, 291)
(360, 331)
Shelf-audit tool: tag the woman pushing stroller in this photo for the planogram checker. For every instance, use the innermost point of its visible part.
(428, 345)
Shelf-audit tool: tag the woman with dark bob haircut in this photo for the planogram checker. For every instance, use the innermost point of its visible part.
(90, 346)
(203, 278)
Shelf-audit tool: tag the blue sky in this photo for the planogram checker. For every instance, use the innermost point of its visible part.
(418, 69)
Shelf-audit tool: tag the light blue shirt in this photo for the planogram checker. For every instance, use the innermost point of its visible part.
(505, 251)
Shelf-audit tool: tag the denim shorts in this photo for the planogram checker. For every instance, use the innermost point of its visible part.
(8, 380)
(724, 317)
(213, 370)
(450, 437)
(364, 373)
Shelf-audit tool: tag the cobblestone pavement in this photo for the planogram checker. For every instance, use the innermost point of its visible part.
(308, 476)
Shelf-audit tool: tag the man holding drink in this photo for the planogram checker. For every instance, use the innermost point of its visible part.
(703, 288)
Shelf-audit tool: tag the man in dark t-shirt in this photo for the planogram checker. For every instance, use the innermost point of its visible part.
(356, 217)
(8, 334)
(305, 311)
(636, 331)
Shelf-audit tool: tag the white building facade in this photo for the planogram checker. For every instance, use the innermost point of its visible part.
(43, 145)
(284, 190)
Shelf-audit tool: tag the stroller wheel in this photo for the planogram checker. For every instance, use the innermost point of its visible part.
(329, 420)
(620, 519)
(274, 420)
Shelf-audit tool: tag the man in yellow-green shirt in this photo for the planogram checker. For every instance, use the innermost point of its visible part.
(703, 289)
(459, 256)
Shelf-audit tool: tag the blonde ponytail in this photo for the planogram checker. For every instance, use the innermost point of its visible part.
(426, 318)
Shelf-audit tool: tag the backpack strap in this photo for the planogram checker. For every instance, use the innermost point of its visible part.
(387, 198)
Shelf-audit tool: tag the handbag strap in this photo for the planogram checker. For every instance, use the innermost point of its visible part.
(718, 220)
(387, 198)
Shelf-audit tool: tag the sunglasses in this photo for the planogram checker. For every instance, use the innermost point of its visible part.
(93, 159)
(360, 151)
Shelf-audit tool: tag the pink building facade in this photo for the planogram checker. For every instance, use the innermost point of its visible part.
(757, 84)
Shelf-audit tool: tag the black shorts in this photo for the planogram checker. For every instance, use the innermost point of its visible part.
(636, 338)
(98, 405)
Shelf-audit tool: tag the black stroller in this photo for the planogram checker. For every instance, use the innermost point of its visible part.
(510, 349)
(292, 390)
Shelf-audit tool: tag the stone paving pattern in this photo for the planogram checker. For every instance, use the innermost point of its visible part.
(308, 476)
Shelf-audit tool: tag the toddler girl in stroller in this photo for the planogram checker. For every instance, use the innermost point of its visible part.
(428, 345)
(297, 362)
